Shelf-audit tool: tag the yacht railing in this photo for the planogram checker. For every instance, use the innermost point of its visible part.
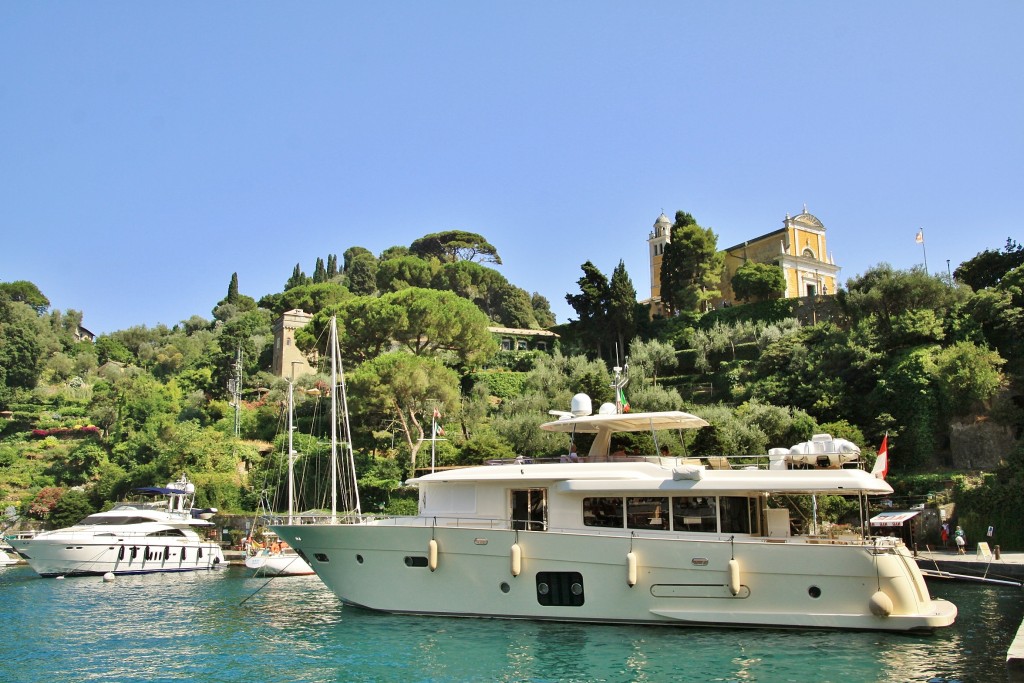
(877, 544)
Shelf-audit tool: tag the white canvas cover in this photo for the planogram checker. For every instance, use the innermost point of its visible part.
(893, 518)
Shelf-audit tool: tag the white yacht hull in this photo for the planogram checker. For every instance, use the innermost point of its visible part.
(58, 554)
(585, 576)
(280, 564)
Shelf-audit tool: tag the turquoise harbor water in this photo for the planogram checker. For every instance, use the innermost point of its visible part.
(226, 626)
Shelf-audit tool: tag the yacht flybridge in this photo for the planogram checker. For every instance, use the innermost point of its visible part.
(615, 538)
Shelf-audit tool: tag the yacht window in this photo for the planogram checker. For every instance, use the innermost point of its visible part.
(694, 513)
(167, 532)
(735, 515)
(111, 520)
(605, 512)
(647, 513)
(530, 509)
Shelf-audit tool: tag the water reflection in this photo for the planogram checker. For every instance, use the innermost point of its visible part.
(227, 626)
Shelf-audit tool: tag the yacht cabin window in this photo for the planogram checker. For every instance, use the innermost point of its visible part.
(530, 509)
(708, 514)
(604, 512)
(647, 513)
(695, 513)
(739, 515)
(112, 520)
(167, 532)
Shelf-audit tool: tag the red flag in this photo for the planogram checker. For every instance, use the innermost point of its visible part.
(881, 467)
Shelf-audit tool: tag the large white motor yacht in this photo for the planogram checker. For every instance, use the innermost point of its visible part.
(632, 539)
(155, 532)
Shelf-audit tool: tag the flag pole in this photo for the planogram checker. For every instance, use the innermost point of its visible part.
(924, 252)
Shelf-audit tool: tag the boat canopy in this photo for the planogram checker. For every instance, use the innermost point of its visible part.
(893, 518)
(160, 491)
(625, 422)
(604, 424)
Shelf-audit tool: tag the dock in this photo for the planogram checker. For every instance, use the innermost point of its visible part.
(973, 566)
(982, 567)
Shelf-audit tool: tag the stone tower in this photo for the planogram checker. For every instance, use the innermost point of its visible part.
(289, 361)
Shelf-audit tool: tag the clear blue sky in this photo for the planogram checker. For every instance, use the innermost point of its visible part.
(149, 150)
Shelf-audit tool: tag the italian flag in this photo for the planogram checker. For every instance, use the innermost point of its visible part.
(623, 402)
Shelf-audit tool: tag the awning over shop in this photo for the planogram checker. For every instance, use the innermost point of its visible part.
(893, 518)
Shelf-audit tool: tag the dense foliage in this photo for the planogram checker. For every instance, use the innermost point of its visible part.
(897, 353)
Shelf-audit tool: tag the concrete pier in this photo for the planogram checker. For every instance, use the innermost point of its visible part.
(1009, 565)
(1015, 658)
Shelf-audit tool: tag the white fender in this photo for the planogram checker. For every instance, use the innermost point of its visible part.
(432, 555)
(881, 604)
(734, 576)
(631, 568)
(516, 559)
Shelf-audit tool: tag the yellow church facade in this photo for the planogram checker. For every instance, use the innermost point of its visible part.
(798, 247)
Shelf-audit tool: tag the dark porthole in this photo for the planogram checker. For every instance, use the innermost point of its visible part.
(814, 592)
(320, 557)
(505, 588)
(560, 589)
(415, 561)
(359, 559)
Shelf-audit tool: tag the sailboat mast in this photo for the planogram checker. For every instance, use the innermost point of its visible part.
(353, 492)
(333, 341)
(291, 454)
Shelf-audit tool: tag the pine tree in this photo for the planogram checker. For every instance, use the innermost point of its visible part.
(591, 305)
(692, 266)
(319, 271)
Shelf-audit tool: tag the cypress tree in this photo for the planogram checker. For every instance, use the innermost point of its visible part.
(233, 289)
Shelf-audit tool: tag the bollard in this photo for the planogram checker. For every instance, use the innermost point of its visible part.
(997, 552)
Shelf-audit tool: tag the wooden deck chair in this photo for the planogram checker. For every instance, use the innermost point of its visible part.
(718, 462)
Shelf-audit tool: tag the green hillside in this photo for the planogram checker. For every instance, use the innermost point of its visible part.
(916, 357)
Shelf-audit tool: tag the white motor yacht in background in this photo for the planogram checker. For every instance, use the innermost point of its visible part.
(156, 532)
(631, 539)
(6, 559)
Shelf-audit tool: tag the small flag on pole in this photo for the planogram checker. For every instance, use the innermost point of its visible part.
(881, 467)
(623, 402)
(920, 237)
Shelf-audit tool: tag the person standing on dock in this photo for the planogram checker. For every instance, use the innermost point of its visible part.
(960, 539)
